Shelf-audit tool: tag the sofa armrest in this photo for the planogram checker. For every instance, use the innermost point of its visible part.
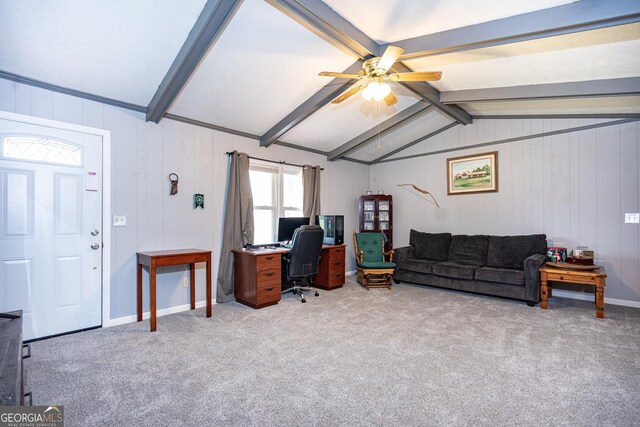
(532, 276)
(405, 252)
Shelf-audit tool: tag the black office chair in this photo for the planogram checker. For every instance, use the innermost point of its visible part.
(301, 263)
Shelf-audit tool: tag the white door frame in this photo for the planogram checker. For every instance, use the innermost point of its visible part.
(106, 195)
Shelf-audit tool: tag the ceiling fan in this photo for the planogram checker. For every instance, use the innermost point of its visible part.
(372, 78)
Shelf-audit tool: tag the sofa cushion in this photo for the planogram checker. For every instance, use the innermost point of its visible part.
(511, 251)
(500, 275)
(469, 249)
(433, 246)
(454, 270)
(418, 265)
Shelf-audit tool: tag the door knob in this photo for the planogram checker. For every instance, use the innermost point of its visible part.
(95, 232)
(95, 246)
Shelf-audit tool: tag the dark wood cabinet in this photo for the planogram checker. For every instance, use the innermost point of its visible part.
(11, 368)
(376, 214)
(331, 269)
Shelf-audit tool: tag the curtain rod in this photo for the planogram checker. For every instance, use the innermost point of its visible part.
(280, 162)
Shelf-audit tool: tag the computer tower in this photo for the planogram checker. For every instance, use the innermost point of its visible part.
(333, 226)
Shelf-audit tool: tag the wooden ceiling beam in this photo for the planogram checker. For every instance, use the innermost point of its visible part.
(318, 17)
(403, 117)
(213, 19)
(570, 18)
(629, 86)
(310, 106)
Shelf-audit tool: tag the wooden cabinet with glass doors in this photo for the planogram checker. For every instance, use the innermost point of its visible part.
(376, 214)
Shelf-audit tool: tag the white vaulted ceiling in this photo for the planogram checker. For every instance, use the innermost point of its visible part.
(119, 49)
(386, 21)
(263, 66)
(259, 75)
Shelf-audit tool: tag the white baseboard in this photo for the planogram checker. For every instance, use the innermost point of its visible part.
(350, 273)
(147, 314)
(590, 297)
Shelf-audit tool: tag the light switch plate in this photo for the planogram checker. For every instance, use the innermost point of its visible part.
(119, 220)
(632, 218)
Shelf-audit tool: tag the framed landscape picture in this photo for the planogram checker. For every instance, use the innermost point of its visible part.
(477, 173)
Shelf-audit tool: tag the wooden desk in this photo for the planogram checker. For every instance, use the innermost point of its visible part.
(257, 274)
(584, 277)
(166, 258)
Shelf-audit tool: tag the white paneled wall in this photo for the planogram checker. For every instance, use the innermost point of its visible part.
(143, 155)
(574, 187)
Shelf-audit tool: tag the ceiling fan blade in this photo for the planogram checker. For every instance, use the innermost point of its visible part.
(340, 75)
(389, 57)
(346, 94)
(427, 76)
(390, 99)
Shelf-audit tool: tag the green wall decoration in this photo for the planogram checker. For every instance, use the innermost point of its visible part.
(198, 201)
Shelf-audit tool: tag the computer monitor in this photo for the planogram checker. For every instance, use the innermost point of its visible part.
(286, 227)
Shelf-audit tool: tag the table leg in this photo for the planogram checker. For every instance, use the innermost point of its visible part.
(152, 296)
(543, 291)
(192, 278)
(600, 298)
(549, 291)
(139, 292)
(209, 286)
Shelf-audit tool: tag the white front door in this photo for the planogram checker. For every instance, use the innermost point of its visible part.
(50, 227)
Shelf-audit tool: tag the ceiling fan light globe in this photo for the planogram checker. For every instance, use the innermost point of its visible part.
(369, 91)
(381, 91)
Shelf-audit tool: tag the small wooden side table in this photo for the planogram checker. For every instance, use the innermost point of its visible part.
(155, 259)
(584, 277)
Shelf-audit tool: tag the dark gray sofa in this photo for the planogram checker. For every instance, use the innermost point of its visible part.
(504, 266)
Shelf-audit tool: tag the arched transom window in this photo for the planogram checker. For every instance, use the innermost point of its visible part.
(41, 150)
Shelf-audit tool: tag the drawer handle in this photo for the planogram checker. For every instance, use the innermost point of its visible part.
(269, 274)
(269, 258)
(338, 274)
(337, 263)
(269, 289)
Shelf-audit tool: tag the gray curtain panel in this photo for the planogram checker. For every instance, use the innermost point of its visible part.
(311, 192)
(238, 222)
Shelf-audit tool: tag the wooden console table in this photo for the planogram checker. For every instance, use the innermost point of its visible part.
(585, 277)
(166, 258)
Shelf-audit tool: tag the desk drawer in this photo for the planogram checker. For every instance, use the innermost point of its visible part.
(268, 294)
(336, 266)
(336, 253)
(335, 278)
(268, 262)
(268, 276)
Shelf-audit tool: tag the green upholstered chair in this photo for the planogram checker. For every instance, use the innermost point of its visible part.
(374, 271)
